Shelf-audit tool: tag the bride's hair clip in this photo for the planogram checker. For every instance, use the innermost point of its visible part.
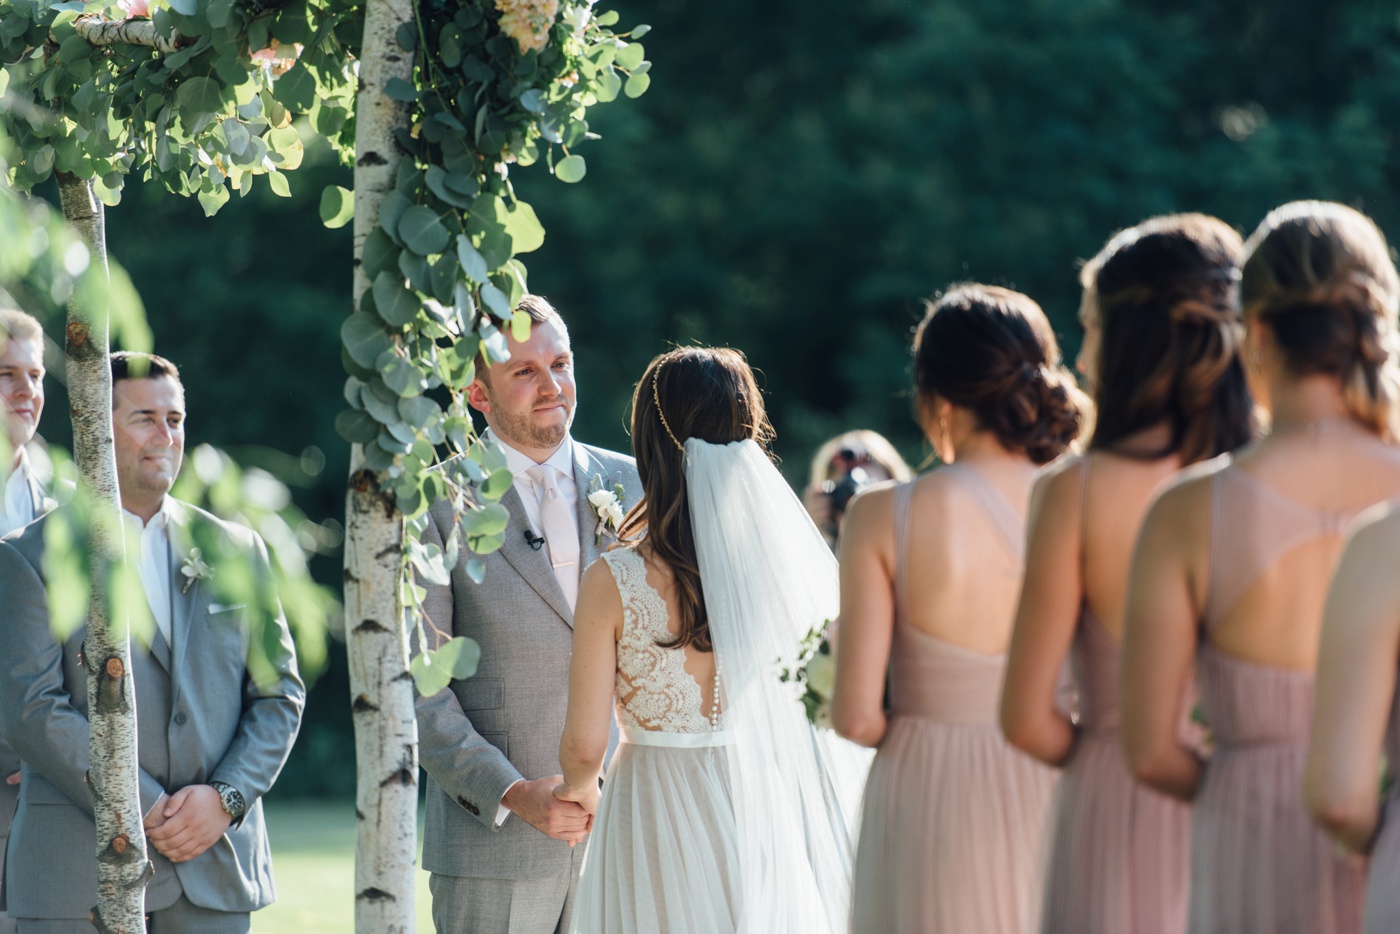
(656, 397)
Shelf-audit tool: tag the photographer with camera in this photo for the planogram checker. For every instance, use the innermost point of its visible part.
(841, 468)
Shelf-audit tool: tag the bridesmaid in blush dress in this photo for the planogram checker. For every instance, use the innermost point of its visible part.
(1357, 714)
(953, 821)
(1231, 572)
(1161, 358)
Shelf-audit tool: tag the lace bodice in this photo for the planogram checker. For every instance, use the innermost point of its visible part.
(654, 691)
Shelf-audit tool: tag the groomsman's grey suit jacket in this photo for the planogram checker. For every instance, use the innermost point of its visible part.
(200, 718)
(479, 736)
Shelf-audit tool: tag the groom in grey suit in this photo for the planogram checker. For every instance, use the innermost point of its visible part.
(501, 848)
(211, 740)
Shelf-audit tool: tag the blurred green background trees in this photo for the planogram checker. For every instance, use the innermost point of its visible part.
(798, 178)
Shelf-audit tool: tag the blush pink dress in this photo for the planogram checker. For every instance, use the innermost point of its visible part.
(953, 823)
(1119, 860)
(1383, 882)
(1258, 863)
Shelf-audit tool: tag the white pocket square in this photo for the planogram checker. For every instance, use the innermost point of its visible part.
(226, 607)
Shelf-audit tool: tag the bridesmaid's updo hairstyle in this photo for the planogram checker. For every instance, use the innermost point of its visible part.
(991, 350)
(689, 392)
(1320, 277)
(1165, 296)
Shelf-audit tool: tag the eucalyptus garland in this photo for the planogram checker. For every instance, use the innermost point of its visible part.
(497, 86)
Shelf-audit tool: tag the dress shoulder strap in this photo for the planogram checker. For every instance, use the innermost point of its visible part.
(1003, 517)
(903, 502)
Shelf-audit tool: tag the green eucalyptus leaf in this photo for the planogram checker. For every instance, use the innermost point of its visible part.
(415, 270)
(364, 339)
(296, 90)
(379, 252)
(476, 570)
(637, 85)
(337, 206)
(455, 660)
(199, 95)
(184, 7)
(472, 263)
(399, 89)
(422, 230)
(380, 402)
(495, 301)
(630, 56)
(524, 228)
(356, 427)
(485, 520)
(608, 87)
(607, 19)
(570, 169)
(213, 199)
(402, 377)
(533, 100)
(396, 304)
(639, 31)
(279, 184)
(418, 411)
(391, 211)
(436, 179)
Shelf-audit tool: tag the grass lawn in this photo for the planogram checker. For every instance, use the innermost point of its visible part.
(313, 857)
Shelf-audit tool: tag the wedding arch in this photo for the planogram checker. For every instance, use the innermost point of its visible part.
(434, 103)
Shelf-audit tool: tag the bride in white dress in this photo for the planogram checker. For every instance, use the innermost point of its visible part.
(723, 809)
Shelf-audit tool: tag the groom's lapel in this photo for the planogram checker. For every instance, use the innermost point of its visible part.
(184, 593)
(588, 541)
(531, 564)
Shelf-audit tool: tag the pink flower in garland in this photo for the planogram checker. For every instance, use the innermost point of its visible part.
(135, 8)
(528, 21)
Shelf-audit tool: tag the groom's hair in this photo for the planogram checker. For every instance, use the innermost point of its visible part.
(127, 364)
(540, 311)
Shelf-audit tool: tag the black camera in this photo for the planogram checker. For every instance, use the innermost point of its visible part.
(848, 480)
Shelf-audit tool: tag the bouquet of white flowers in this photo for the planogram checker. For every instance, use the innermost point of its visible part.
(814, 671)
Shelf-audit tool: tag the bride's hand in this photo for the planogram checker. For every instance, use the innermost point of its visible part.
(586, 797)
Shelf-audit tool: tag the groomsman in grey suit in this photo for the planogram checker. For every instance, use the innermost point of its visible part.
(23, 494)
(500, 847)
(211, 740)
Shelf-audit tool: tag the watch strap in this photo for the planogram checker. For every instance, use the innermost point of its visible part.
(231, 799)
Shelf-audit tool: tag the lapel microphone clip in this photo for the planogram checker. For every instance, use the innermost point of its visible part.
(534, 541)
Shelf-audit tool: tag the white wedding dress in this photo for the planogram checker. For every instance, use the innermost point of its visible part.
(742, 825)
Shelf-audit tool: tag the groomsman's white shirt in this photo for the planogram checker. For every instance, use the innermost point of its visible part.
(562, 460)
(19, 497)
(154, 566)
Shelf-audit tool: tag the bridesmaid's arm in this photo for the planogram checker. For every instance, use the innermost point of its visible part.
(1159, 644)
(592, 676)
(1355, 686)
(1051, 597)
(867, 618)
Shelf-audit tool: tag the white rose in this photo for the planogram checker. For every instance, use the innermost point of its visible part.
(612, 514)
(605, 504)
(821, 675)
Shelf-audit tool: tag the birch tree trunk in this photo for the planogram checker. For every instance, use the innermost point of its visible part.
(386, 731)
(122, 866)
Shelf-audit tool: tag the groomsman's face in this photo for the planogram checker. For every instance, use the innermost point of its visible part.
(22, 388)
(148, 424)
(529, 400)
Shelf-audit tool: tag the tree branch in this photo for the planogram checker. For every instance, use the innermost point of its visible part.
(138, 31)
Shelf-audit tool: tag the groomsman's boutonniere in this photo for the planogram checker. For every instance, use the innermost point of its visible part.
(607, 505)
(194, 569)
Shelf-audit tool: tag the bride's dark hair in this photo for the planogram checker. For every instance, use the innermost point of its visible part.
(690, 392)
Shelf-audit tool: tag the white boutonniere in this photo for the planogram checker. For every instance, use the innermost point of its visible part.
(194, 569)
(607, 506)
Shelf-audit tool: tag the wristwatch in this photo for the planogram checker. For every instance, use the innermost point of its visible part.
(231, 798)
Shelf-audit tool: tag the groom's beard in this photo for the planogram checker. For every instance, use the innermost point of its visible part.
(524, 430)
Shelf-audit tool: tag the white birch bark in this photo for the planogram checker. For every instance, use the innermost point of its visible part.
(140, 31)
(122, 866)
(386, 731)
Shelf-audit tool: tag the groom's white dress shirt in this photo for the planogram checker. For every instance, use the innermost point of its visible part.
(154, 564)
(562, 461)
(19, 496)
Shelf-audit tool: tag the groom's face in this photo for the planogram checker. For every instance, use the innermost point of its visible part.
(148, 421)
(529, 400)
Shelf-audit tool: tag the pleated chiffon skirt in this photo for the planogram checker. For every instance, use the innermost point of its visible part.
(952, 833)
(1119, 856)
(663, 850)
(1258, 862)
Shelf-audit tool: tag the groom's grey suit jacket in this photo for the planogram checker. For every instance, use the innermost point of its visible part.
(200, 718)
(479, 736)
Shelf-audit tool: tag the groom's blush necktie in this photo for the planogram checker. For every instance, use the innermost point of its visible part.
(560, 532)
